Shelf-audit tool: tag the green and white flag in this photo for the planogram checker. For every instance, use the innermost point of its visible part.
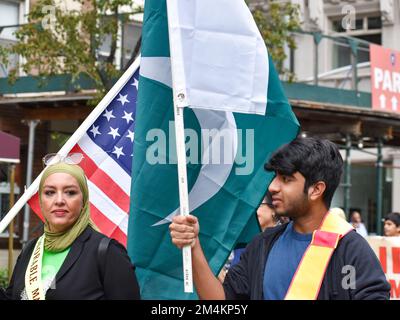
(218, 55)
(229, 136)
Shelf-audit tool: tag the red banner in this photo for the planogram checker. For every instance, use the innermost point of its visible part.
(385, 79)
(387, 250)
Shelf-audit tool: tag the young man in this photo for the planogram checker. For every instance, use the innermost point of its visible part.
(297, 260)
(391, 227)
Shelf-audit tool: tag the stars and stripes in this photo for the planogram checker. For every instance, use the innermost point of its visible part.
(107, 147)
(113, 130)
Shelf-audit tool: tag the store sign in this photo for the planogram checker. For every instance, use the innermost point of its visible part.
(387, 249)
(385, 79)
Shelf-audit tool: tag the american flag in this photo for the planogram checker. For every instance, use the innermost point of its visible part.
(107, 146)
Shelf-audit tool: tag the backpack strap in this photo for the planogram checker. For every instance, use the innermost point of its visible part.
(101, 257)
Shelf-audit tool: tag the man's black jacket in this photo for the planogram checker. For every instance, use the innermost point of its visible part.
(245, 279)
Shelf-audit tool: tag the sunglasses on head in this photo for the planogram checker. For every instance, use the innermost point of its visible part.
(54, 158)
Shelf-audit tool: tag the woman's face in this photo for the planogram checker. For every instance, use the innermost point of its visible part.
(62, 201)
(265, 216)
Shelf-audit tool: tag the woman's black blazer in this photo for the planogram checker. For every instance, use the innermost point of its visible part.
(81, 276)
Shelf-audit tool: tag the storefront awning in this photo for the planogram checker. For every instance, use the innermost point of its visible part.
(9, 148)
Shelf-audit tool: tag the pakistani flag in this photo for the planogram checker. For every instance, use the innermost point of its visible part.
(221, 67)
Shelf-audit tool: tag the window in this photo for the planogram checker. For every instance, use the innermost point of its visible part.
(9, 16)
(4, 204)
(5, 192)
(5, 197)
(5, 189)
(131, 35)
(368, 28)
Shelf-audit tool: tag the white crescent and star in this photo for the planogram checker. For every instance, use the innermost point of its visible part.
(211, 176)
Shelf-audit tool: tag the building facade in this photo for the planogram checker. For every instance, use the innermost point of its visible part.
(333, 52)
(44, 117)
(330, 99)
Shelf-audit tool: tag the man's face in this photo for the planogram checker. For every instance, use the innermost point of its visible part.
(356, 217)
(288, 195)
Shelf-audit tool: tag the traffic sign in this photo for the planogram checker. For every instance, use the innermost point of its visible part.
(385, 78)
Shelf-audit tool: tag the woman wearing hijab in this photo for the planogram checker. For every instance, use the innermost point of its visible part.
(70, 260)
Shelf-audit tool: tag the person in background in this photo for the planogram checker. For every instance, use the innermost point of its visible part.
(339, 212)
(266, 213)
(391, 227)
(356, 221)
(266, 218)
(71, 260)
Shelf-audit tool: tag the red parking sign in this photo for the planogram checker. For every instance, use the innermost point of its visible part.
(385, 79)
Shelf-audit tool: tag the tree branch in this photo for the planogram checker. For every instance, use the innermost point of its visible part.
(135, 53)
(113, 49)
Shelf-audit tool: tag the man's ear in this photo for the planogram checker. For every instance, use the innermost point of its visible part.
(317, 190)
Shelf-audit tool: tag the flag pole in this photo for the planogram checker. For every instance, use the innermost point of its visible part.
(11, 228)
(33, 188)
(183, 191)
(180, 102)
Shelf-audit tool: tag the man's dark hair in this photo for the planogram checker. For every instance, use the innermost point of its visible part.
(316, 159)
(394, 217)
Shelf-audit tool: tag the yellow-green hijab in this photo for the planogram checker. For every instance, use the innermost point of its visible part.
(60, 241)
